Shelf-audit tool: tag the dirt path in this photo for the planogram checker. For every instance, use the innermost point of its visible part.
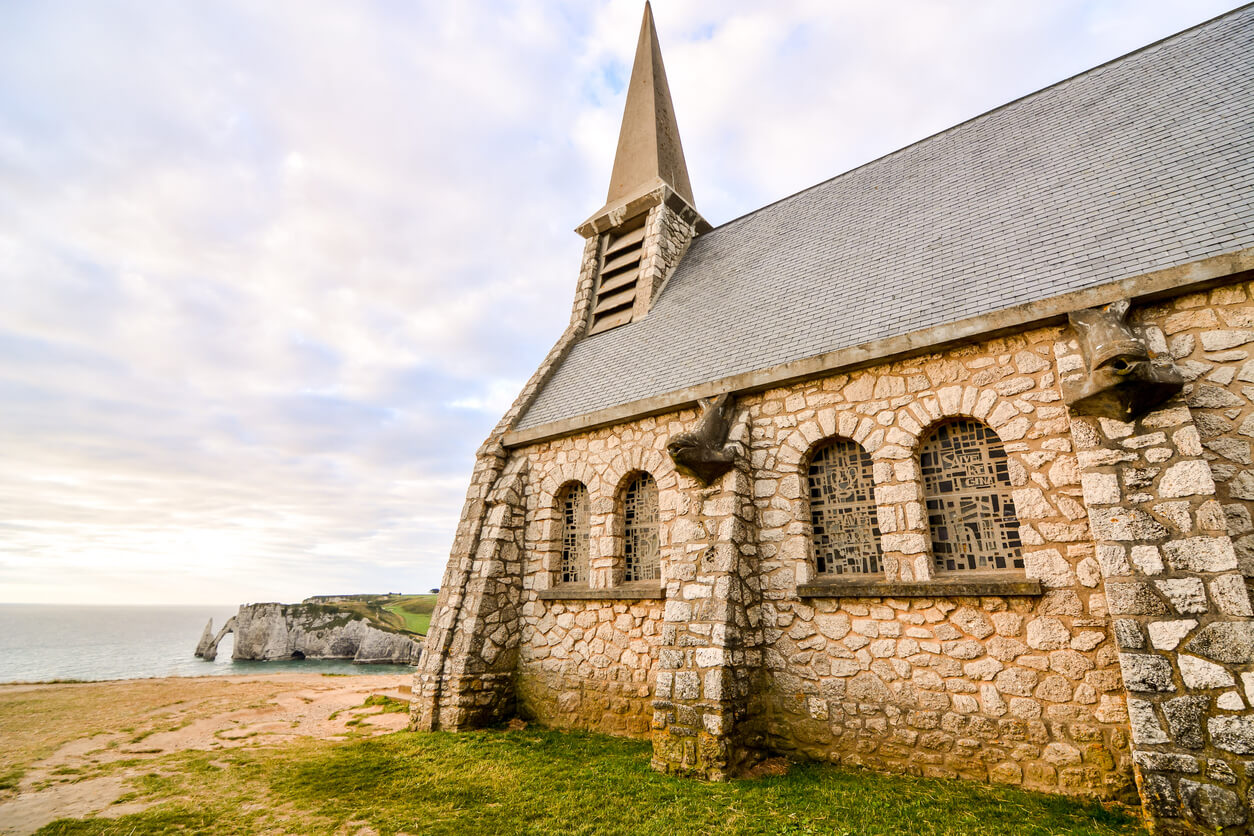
(57, 736)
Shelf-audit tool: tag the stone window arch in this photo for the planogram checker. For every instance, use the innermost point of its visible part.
(966, 488)
(844, 531)
(573, 525)
(641, 547)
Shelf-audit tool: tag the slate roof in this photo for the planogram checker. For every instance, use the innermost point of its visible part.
(1140, 164)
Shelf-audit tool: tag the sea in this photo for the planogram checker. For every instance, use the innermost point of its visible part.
(43, 642)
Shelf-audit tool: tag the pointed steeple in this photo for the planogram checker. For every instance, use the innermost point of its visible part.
(648, 218)
(649, 149)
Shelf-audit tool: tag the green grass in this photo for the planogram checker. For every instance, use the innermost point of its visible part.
(402, 613)
(414, 610)
(541, 782)
(11, 778)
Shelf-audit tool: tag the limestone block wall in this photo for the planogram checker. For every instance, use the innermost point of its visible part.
(589, 664)
(592, 663)
(711, 662)
(1211, 337)
(1021, 690)
(669, 230)
(1133, 661)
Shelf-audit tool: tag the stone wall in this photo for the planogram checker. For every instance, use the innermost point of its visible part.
(1131, 595)
(589, 664)
(1021, 690)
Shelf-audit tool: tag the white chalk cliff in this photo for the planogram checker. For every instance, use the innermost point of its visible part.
(268, 632)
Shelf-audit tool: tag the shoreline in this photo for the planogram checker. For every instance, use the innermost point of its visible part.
(180, 677)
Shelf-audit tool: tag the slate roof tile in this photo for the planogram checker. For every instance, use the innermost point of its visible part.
(1135, 166)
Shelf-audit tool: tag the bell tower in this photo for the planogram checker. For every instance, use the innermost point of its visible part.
(649, 216)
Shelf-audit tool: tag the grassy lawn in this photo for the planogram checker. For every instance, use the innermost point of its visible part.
(410, 613)
(414, 611)
(537, 782)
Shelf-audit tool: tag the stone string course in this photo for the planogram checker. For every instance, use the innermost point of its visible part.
(1133, 669)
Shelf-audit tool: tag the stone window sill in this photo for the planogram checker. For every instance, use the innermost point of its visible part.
(946, 586)
(649, 591)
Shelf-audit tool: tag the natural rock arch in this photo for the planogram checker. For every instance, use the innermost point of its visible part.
(207, 648)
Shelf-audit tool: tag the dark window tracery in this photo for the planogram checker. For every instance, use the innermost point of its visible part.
(640, 529)
(844, 530)
(967, 488)
(573, 505)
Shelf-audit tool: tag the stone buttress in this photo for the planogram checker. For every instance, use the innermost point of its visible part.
(711, 642)
(1180, 610)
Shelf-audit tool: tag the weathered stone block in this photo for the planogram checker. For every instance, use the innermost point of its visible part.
(1145, 672)
(1187, 595)
(1147, 560)
(1201, 554)
(1128, 634)
(1184, 720)
(1231, 642)
(1230, 595)
(1167, 762)
(687, 685)
(1215, 806)
(1133, 598)
(1198, 673)
(1167, 635)
(1047, 634)
(1144, 723)
(1187, 478)
(1230, 701)
(1232, 733)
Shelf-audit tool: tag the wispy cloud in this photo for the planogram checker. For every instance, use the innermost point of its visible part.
(270, 272)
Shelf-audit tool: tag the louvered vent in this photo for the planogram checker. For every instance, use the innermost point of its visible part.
(620, 267)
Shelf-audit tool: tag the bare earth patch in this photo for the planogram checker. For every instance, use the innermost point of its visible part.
(78, 745)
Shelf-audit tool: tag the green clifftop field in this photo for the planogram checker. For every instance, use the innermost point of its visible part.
(400, 613)
(317, 754)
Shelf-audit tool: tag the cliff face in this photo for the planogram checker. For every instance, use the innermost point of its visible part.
(304, 631)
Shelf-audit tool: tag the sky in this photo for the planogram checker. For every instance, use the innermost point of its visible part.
(271, 271)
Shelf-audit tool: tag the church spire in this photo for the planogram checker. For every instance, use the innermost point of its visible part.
(649, 151)
(638, 237)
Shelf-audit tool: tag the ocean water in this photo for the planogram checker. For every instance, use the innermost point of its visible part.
(39, 642)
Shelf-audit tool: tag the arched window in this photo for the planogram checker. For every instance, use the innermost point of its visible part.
(640, 521)
(967, 488)
(572, 504)
(844, 532)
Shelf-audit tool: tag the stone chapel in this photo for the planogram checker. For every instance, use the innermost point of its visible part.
(942, 466)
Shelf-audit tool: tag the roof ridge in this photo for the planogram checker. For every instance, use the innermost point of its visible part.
(979, 116)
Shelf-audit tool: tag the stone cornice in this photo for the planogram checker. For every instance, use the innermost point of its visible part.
(638, 203)
(626, 592)
(947, 587)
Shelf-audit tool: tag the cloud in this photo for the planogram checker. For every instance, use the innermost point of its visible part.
(270, 273)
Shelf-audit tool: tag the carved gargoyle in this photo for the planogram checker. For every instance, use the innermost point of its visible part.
(704, 453)
(1120, 380)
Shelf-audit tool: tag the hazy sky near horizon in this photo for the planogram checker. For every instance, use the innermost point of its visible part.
(270, 271)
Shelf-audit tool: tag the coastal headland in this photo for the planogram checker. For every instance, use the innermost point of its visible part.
(366, 629)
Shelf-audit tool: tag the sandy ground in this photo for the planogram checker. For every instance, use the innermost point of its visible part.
(88, 725)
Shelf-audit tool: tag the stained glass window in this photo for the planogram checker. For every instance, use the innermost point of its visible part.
(844, 532)
(640, 523)
(573, 506)
(969, 509)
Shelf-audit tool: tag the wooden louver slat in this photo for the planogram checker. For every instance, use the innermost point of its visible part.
(611, 283)
(615, 301)
(618, 276)
(616, 282)
(611, 321)
(625, 240)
